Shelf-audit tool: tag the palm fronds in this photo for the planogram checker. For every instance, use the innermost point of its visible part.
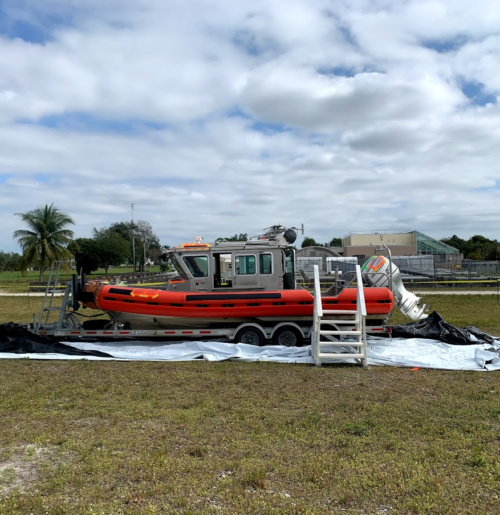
(46, 238)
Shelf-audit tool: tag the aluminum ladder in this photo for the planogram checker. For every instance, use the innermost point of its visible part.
(60, 307)
(326, 346)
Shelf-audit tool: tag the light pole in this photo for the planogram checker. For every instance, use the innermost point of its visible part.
(133, 237)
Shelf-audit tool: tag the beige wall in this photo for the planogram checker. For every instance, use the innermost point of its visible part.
(381, 239)
(368, 250)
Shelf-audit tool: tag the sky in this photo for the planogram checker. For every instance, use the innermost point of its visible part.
(216, 117)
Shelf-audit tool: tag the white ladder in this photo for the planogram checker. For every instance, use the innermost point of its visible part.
(325, 347)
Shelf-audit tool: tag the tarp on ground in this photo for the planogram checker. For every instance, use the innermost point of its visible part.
(413, 352)
(434, 327)
(15, 339)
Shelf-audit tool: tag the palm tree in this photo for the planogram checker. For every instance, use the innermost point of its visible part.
(46, 239)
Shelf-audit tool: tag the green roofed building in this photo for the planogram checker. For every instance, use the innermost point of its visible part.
(428, 245)
(412, 243)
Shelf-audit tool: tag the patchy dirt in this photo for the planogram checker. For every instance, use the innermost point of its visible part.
(20, 467)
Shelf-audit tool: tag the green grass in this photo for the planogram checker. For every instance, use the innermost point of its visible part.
(200, 437)
(20, 309)
(481, 311)
(16, 282)
(95, 437)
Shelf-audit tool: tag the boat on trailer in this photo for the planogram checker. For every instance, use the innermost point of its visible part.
(245, 290)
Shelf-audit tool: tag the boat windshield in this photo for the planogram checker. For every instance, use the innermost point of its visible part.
(197, 265)
(177, 266)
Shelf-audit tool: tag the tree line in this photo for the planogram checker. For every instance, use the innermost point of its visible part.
(9, 261)
(127, 243)
(477, 247)
(47, 238)
(311, 242)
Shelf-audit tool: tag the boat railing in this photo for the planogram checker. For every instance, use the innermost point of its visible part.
(361, 308)
(317, 316)
(350, 278)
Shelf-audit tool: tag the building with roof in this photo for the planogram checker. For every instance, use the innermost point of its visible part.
(412, 243)
(421, 251)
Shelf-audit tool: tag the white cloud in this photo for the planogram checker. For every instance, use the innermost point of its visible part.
(480, 61)
(306, 99)
(223, 117)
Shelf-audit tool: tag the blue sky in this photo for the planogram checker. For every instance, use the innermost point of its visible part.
(222, 117)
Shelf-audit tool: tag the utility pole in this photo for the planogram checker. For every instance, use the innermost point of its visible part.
(133, 237)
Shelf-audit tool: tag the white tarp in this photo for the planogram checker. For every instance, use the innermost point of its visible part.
(398, 352)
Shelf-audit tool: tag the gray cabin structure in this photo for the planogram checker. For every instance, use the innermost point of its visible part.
(266, 263)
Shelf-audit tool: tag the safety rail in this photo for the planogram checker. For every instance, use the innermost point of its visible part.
(323, 351)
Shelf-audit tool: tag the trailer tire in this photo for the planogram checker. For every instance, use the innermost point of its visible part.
(250, 336)
(287, 336)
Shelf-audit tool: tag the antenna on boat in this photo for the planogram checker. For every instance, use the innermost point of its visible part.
(298, 229)
(281, 233)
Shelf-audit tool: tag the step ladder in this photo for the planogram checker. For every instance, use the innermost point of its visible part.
(54, 312)
(329, 326)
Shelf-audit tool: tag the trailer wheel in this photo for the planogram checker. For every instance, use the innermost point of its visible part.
(287, 336)
(250, 336)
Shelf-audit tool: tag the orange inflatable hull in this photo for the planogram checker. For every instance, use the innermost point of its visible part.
(284, 303)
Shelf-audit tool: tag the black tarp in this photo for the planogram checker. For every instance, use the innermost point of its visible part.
(434, 327)
(17, 339)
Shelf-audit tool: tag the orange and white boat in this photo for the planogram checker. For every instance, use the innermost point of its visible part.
(247, 287)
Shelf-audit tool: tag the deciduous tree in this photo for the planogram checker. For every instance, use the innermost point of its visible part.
(112, 248)
(148, 244)
(9, 261)
(309, 242)
(477, 247)
(242, 236)
(336, 242)
(140, 236)
(86, 252)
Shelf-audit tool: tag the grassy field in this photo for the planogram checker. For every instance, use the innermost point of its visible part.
(198, 437)
(16, 282)
(481, 311)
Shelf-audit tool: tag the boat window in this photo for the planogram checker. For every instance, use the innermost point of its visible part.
(289, 263)
(177, 266)
(245, 265)
(266, 264)
(197, 265)
(289, 275)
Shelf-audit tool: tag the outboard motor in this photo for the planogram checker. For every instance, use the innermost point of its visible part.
(377, 272)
